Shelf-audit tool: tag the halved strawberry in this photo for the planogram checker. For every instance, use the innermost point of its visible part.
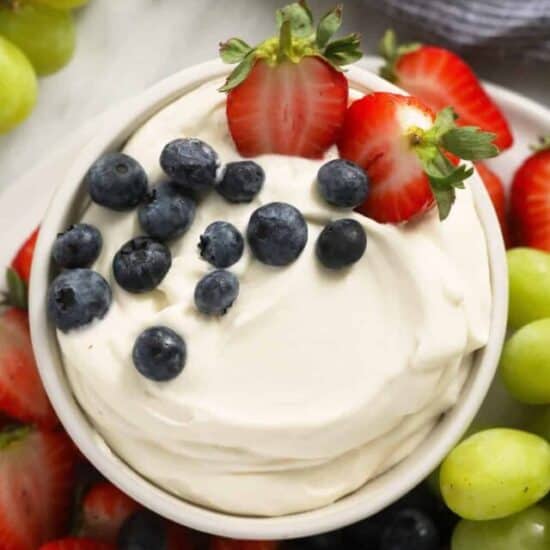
(22, 395)
(288, 95)
(495, 188)
(22, 261)
(403, 147)
(530, 200)
(219, 543)
(73, 543)
(440, 78)
(104, 509)
(36, 482)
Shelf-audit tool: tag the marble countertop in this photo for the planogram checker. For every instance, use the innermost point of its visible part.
(127, 45)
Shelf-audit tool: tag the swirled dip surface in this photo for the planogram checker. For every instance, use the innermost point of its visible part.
(315, 381)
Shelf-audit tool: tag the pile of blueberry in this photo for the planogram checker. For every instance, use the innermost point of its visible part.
(418, 521)
(276, 234)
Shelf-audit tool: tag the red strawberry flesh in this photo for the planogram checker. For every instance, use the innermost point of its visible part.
(495, 188)
(289, 109)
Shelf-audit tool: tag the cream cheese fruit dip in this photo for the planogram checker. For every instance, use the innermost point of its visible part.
(315, 381)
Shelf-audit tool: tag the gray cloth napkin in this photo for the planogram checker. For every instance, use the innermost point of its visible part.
(517, 28)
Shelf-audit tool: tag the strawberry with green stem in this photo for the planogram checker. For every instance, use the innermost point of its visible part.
(288, 95)
(440, 78)
(405, 150)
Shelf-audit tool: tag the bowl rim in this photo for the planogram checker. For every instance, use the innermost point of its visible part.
(372, 497)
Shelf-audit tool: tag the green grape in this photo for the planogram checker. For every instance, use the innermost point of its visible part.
(46, 36)
(432, 480)
(525, 363)
(60, 4)
(495, 473)
(540, 424)
(18, 86)
(529, 275)
(528, 530)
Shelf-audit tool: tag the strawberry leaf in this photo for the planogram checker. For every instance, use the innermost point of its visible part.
(13, 434)
(344, 50)
(444, 122)
(444, 199)
(285, 41)
(234, 50)
(300, 17)
(470, 143)
(328, 26)
(391, 51)
(387, 47)
(542, 145)
(239, 73)
(444, 177)
(17, 290)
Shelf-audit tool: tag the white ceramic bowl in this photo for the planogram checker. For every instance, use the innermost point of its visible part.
(364, 502)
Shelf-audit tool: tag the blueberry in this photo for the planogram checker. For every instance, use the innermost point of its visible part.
(366, 533)
(341, 243)
(141, 264)
(159, 354)
(410, 530)
(191, 163)
(78, 246)
(277, 233)
(369, 532)
(216, 292)
(77, 297)
(167, 213)
(343, 183)
(241, 181)
(326, 541)
(221, 244)
(143, 530)
(116, 181)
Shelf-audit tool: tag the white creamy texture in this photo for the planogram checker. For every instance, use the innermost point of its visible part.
(315, 381)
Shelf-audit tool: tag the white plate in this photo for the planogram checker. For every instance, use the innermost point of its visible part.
(23, 202)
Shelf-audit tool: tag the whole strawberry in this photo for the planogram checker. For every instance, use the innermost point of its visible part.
(440, 78)
(288, 95)
(530, 200)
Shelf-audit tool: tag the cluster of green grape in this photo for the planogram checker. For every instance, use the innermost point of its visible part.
(497, 479)
(37, 37)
